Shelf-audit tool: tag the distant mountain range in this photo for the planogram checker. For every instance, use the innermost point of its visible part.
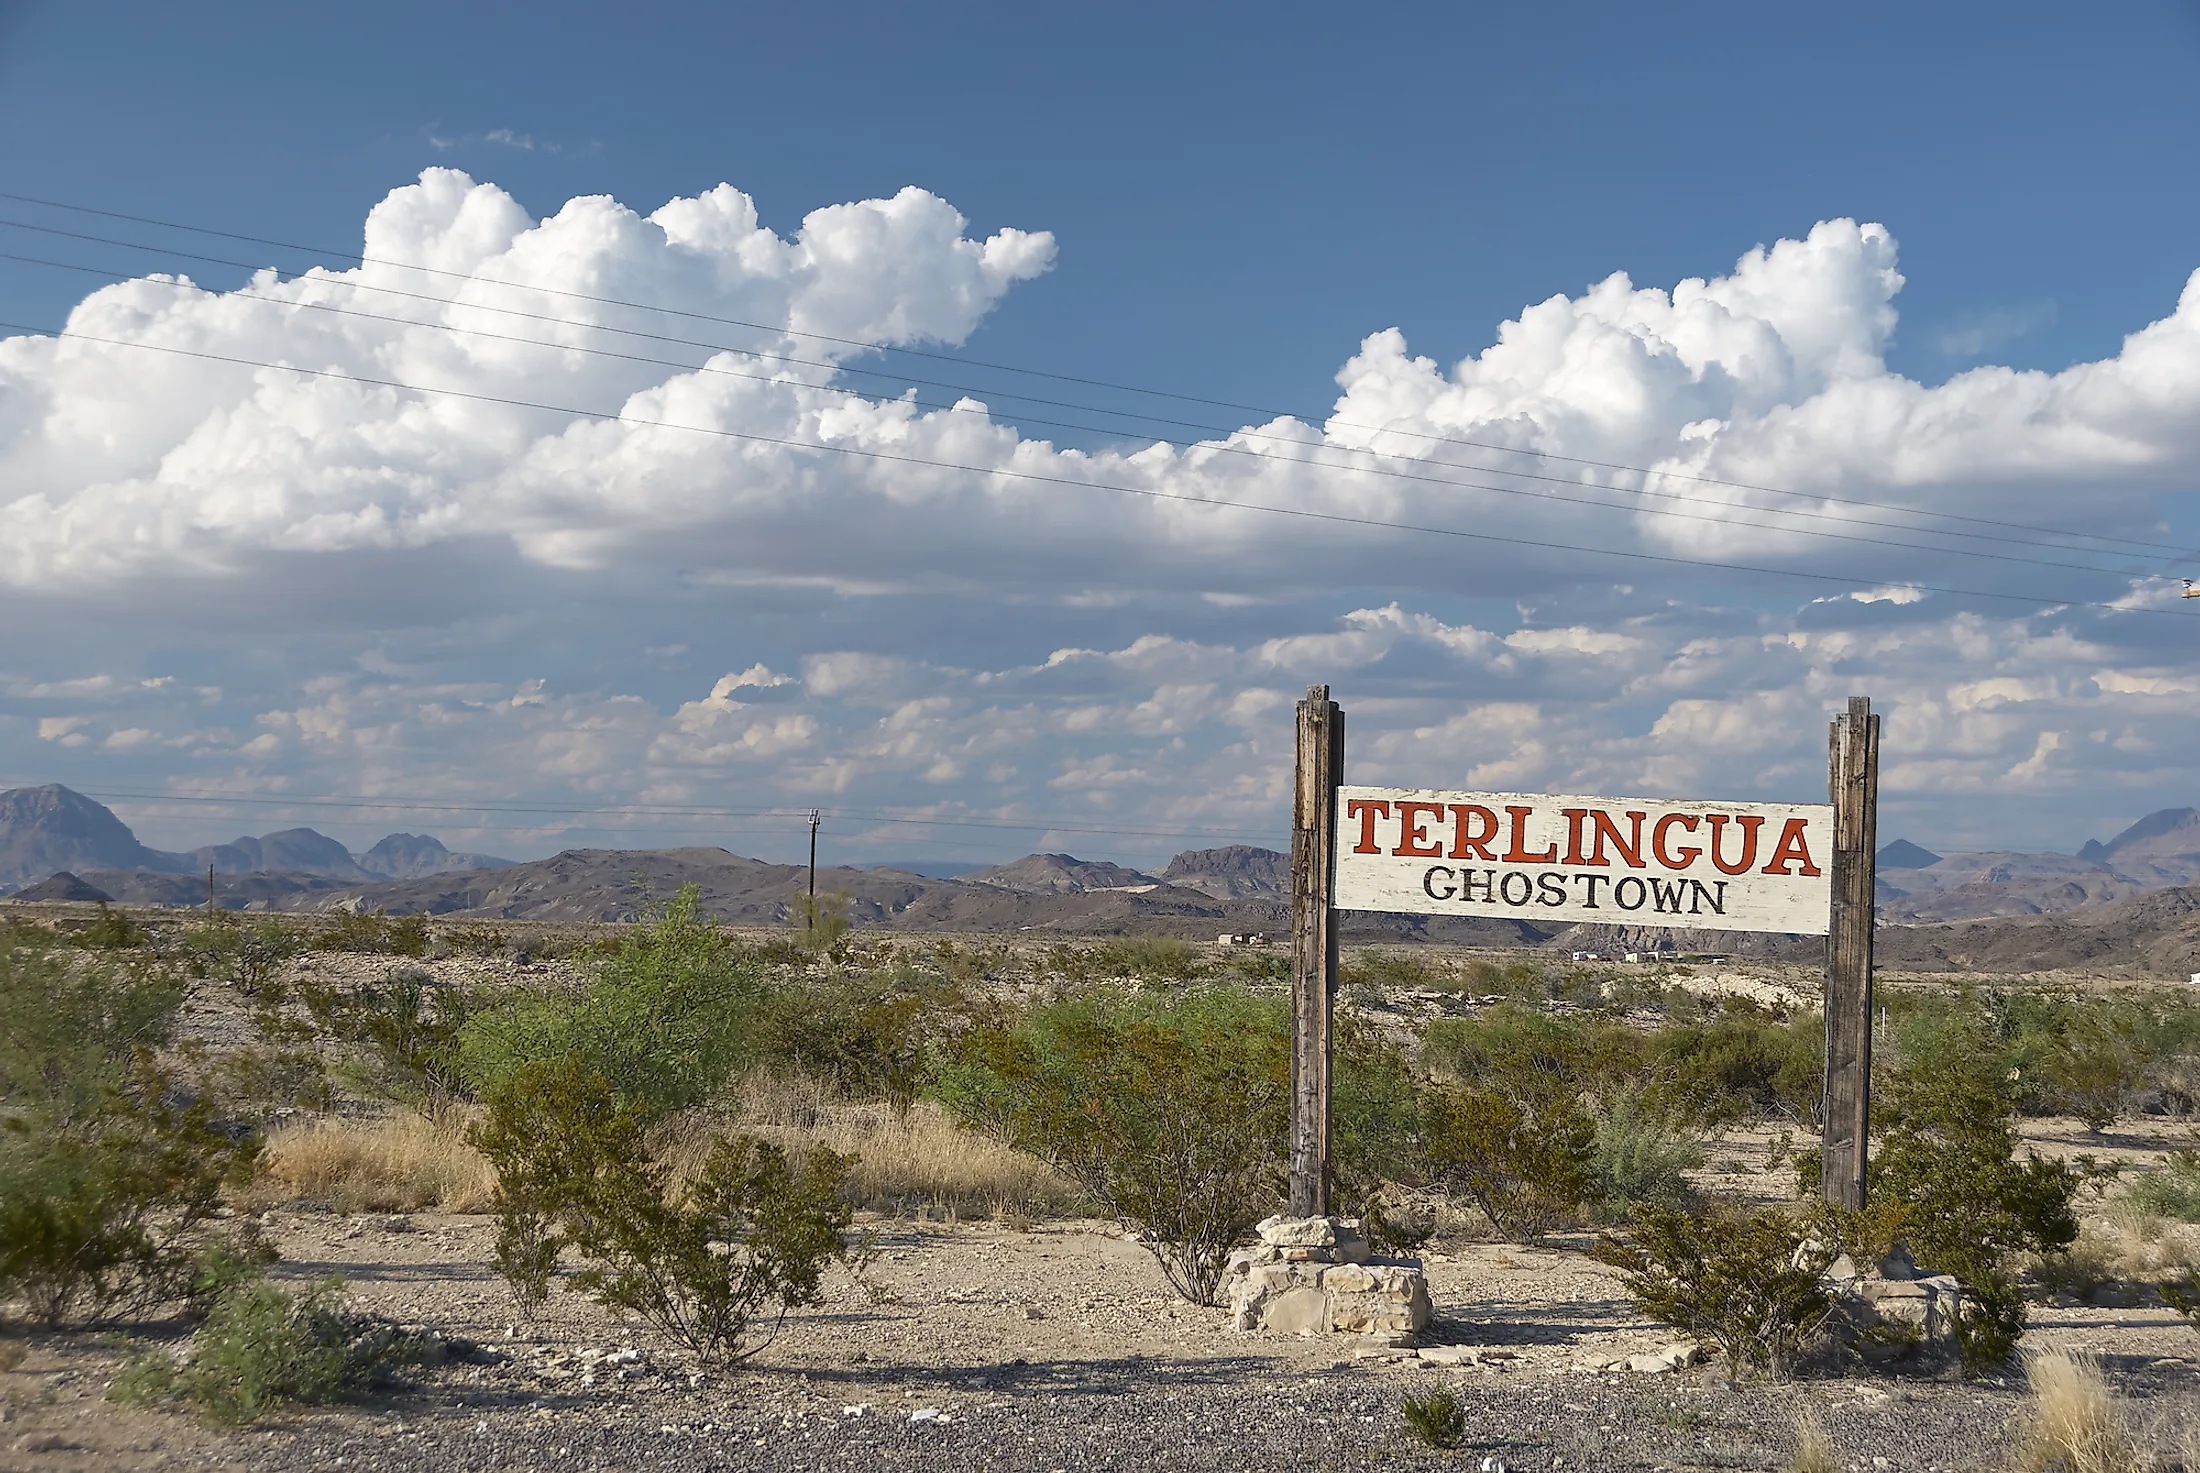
(58, 844)
(53, 828)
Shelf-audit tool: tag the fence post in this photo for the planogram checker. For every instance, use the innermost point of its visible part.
(1313, 944)
(1853, 762)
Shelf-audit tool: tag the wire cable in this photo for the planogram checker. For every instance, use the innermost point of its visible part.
(359, 803)
(1151, 493)
(890, 348)
(1728, 518)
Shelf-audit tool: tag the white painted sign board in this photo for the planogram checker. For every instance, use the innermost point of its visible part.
(1622, 861)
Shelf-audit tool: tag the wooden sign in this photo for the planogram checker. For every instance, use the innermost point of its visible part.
(1699, 866)
(1801, 869)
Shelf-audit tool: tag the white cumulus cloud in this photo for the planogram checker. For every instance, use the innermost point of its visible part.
(588, 509)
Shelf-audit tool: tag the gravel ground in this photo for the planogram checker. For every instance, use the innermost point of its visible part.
(986, 1347)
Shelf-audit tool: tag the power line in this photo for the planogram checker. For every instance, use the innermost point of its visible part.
(889, 348)
(1151, 493)
(855, 815)
(1727, 518)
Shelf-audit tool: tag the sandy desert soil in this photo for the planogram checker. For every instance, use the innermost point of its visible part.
(979, 1345)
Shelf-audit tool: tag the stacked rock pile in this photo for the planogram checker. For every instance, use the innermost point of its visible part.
(1315, 1276)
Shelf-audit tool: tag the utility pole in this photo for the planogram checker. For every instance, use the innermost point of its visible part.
(815, 816)
(1320, 769)
(1853, 777)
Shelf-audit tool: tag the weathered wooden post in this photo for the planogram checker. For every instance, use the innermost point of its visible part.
(1313, 945)
(1853, 759)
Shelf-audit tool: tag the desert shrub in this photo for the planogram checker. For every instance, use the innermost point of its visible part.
(1169, 1108)
(1749, 1284)
(473, 940)
(246, 958)
(1375, 1136)
(111, 1218)
(110, 1178)
(2172, 1190)
(2094, 1067)
(1146, 958)
(1969, 1207)
(1741, 1065)
(111, 929)
(256, 1082)
(1436, 1417)
(75, 1027)
(1257, 967)
(820, 923)
(1390, 969)
(667, 1019)
(1640, 1156)
(867, 1033)
(1524, 1051)
(372, 933)
(700, 1262)
(260, 1349)
(407, 1029)
(1523, 1159)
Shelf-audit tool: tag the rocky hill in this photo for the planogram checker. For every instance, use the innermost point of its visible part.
(1234, 872)
(43, 830)
(1059, 874)
(49, 829)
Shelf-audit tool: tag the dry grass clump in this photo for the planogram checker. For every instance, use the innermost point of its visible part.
(2076, 1424)
(1814, 1449)
(904, 1158)
(2143, 1244)
(395, 1163)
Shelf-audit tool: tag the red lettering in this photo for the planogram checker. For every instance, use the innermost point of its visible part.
(1792, 849)
(1414, 841)
(1657, 841)
(1518, 853)
(1748, 826)
(1366, 810)
(1574, 816)
(1630, 848)
(1473, 843)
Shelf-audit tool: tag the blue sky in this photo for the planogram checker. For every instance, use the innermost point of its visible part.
(1236, 201)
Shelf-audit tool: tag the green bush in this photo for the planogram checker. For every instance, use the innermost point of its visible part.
(668, 1018)
(409, 1029)
(1170, 1108)
(1149, 959)
(1391, 970)
(1641, 1156)
(868, 1034)
(260, 1349)
(699, 1261)
(2182, 1294)
(75, 1027)
(111, 1218)
(1968, 1206)
(821, 923)
(2171, 1191)
(1525, 1161)
(112, 929)
(1741, 1065)
(110, 1177)
(374, 934)
(1749, 1285)
(473, 940)
(249, 959)
(1436, 1417)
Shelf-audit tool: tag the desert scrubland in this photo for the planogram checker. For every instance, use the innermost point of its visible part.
(362, 1191)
